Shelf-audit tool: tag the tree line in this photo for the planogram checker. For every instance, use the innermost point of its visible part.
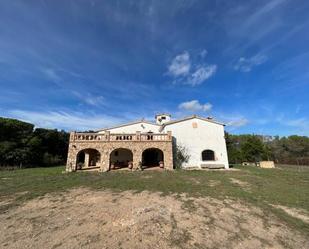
(23, 145)
(253, 148)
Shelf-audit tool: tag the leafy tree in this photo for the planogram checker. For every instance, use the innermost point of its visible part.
(253, 149)
(290, 150)
(23, 146)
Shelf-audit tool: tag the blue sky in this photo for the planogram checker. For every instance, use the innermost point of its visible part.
(86, 64)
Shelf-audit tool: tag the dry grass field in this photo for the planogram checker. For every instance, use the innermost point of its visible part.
(245, 207)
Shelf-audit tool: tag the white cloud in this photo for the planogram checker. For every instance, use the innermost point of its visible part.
(246, 64)
(238, 122)
(194, 106)
(185, 71)
(65, 120)
(201, 74)
(180, 65)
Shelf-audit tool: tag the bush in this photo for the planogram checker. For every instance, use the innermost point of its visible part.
(180, 156)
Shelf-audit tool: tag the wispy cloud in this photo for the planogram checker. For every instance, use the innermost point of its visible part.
(246, 64)
(65, 120)
(238, 122)
(194, 106)
(259, 24)
(203, 53)
(300, 124)
(264, 10)
(180, 65)
(233, 121)
(51, 74)
(201, 74)
(186, 71)
(89, 99)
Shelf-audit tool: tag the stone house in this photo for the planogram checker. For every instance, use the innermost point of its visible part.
(147, 145)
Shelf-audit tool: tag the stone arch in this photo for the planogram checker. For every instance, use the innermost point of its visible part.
(88, 158)
(121, 158)
(208, 155)
(152, 157)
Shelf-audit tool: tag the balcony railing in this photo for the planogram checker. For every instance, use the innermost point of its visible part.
(119, 137)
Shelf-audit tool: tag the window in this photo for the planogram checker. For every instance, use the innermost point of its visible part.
(208, 155)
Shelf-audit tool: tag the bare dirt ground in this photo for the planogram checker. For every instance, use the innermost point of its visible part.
(295, 212)
(83, 218)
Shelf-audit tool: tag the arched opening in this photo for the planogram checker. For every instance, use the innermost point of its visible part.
(121, 158)
(88, 158)
(152, 158)
(208, 155)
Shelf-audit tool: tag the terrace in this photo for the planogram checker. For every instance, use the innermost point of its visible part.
(118, 137)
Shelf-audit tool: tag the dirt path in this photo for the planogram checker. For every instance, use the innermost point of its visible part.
(84, 218)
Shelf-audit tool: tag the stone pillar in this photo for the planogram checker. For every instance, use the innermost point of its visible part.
(107, 135)
(169, 133)
(104, 161)
(87, 155)
(71, 160)
(168, 157)
(72, 136)
(137, 158)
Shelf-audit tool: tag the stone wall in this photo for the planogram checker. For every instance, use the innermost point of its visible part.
(106, 147)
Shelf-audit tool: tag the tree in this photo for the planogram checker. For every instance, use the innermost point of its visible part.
(22, 145)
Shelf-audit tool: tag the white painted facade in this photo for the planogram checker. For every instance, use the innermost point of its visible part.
(194, 133)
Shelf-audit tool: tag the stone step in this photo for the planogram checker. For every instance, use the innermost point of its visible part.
(212, 166)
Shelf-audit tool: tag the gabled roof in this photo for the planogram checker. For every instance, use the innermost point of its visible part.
(130, 123)
(192, 117)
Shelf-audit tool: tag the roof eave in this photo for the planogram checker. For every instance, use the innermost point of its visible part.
(131, 123)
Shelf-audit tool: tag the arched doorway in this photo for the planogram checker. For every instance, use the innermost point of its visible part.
(121, 158)
(208, 155)
(152, 157)
(88, 158)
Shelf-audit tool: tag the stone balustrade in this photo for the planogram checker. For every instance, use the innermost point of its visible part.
(118, 137)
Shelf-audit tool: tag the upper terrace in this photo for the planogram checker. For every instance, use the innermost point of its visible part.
(118, 137)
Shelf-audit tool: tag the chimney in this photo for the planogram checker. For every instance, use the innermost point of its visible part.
(162, 118)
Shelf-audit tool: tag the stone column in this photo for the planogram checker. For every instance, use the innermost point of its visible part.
(168, 157)
(86, 163)
(104, 160)
(107, 135)
(169, 133)
(138, 136)
(137, 158)
(71, 160)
